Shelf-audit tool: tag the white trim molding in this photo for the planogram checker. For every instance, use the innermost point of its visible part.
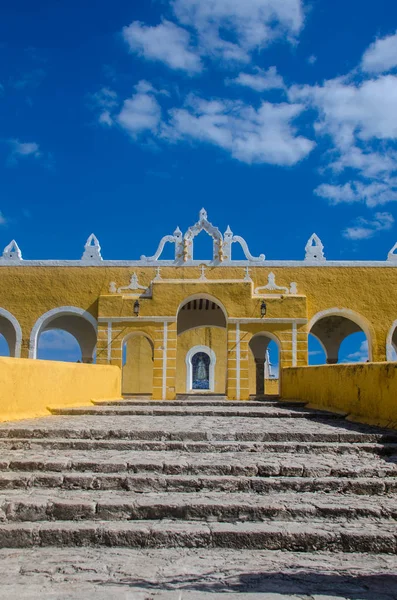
(238, 360)
(165, 344)
(17, 328)
(49, 316)
(189, 367)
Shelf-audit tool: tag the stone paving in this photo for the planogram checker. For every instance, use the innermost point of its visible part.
(197, 499)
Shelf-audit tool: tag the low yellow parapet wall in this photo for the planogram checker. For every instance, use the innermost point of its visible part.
(28, 387)
(366, 392)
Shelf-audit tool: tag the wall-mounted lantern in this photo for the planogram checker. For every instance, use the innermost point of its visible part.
(136, 308)
(263, 309)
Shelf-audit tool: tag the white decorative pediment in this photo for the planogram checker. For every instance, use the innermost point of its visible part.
(12, 252)
(271, 286)
(314, 250)
(92, 250)
(184, 244)
(392, 256)
(133, 286)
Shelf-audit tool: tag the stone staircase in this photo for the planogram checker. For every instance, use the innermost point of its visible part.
(202, 473)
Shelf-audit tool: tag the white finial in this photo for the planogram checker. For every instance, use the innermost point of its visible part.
(202, 276)
(314, 249)
(392, 256)
(12, 251)
(177, 232)
(158, 274)
(203, 215)
(92, 250)
(247, 274)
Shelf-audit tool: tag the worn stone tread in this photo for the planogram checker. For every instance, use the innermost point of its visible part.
(194, 574)
(379, 537)
(104, 505)
(237, 463)
(261, 412)
(147, 482)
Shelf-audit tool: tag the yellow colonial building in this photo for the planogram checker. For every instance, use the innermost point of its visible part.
(186, 326)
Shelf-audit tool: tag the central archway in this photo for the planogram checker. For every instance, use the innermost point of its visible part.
(201, 345)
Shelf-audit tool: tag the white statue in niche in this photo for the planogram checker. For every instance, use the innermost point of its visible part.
(201, 370)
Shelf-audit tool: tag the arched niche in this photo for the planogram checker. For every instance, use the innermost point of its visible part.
(12, 332)
(76, 321)
(196, 365)
(138, 357)
(332, 326)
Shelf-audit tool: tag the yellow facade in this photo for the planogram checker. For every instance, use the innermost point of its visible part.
(185, 304)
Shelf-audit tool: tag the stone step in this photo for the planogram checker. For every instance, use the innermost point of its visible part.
(265, 412)
(378, 537)
(120, 431)
(303, 448)
(196, 402)
(151, 482)
(98, 505)
(174, 463)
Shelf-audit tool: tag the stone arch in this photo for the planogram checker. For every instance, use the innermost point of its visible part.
(258, 345)
(137, 371)
(11, 330)
(189, 366)
(391, 342)
(76, 321)
(201, 310)
(333, 325)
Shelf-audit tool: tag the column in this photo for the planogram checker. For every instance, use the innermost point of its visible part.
(260, 376)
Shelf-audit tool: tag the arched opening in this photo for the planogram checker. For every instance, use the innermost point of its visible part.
(58, 344)
(316, 352)
(343, 335)
(202, 346)
(391, 344)
(75, 322)
(138, 357)
(10, 335)
(264, 365)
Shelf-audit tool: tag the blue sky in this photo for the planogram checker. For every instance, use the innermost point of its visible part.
(124, 119)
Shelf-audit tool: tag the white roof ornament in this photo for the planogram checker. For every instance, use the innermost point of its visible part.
(12, 252)
(314, 250)
(92, 250)
(272, 286)
(392, 256)
(184, 243)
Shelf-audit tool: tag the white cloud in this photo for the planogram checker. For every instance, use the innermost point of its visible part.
(166, 42)
(252, 24)
(22, 150)
(381, 56)
(365, 229)
(141, 112)
(361, 120)
(265, 135)
(261, 80)
(3, 220)
(360, 356)
(105, 98)
(57, 339)
(312, 59)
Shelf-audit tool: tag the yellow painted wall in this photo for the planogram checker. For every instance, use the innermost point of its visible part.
(28, 387)
(215, 339)
(138, 370)
(367, 392)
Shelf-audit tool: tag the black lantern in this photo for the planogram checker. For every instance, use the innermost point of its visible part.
(263, 308)
(136, 308)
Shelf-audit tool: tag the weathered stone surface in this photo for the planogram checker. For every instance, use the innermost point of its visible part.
(229, 483)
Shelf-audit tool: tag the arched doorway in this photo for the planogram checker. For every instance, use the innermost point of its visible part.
(201, 346)
(344, 336)
(264, 362)
(138, 357)
(75, 321)
(10, 334)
